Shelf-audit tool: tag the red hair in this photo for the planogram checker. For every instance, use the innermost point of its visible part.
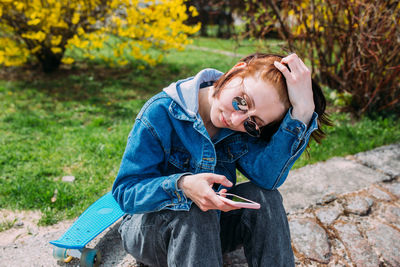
(259, 66)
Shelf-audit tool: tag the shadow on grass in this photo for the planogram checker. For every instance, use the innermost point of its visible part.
(109, 89)
(83, 81)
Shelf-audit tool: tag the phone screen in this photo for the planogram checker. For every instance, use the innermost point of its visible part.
(237, 199)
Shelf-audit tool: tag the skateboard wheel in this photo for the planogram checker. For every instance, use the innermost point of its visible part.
(68, 259)
(90, 258)
(60, 253)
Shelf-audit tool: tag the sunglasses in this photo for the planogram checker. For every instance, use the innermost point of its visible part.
(250, 125)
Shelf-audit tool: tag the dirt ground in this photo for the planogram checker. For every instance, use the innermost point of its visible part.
(27, 244)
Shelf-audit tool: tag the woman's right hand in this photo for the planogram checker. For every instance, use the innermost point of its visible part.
(299, 83)
(198, 187)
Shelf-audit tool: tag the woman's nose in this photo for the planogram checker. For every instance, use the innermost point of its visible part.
(237, 118)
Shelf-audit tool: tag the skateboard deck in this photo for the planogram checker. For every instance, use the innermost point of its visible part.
(94, 220)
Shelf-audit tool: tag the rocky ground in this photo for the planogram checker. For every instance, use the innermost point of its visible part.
(342, 212)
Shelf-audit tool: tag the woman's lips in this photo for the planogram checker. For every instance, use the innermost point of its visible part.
(224, 121)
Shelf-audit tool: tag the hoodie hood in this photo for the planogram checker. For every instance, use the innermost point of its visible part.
(186, 92)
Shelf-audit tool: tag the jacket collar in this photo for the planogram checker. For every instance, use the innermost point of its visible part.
(186, 92)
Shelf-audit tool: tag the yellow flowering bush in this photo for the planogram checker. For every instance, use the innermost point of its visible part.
(42, 30)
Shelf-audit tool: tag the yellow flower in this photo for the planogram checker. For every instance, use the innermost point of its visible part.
(91, 20)
(56, 40)
(75, 18)
(35, 49)
(19, 5)
(34, 22)
(56, 50)
(193, 10)
(67, 60)
(40, 36)
(122, 62)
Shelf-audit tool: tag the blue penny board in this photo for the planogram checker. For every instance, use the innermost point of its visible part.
(94, 220)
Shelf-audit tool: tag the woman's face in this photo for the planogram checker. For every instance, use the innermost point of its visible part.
(264, 104)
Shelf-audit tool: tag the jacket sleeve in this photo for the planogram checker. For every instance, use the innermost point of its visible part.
(267, 164)
(140, 186)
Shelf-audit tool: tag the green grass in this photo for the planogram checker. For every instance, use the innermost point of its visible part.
(239, 46)
(5, 225)
(349, 137)
(44, 138)
(76, 122)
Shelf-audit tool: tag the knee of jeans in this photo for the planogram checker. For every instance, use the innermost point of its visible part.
(269, 196)
(271, 209)
(259, 194)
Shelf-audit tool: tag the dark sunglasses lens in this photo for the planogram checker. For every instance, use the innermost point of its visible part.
(251, 128)
(239, 103)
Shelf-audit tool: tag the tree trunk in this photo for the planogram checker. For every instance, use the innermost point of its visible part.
(49, 61)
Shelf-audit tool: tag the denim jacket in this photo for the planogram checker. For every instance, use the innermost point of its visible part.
(169, 140)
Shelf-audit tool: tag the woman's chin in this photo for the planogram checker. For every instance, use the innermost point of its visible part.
(215, 123)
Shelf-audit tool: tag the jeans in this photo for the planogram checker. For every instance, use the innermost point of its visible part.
(197, 238)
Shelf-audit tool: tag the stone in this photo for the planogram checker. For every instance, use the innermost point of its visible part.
(378, 194)
(393, 188)
(339, 254)
(390, 214)
(308, 185)
(19, 223)
(310, 239)
(327, 215)
(328, 198)
(385, 158)
(68, 179)
(361, 253)
(235, 258)
(358, 205)
(370, 201)
(297, 262)
(385, 239)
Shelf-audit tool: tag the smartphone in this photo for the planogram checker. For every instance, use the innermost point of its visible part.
(238, 201)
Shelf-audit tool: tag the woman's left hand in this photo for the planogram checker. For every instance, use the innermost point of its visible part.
(299, 84)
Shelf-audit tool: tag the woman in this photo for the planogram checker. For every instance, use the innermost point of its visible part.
(186, 145)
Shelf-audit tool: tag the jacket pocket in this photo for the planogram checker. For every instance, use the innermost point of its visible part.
(231, 150)
(180, 158)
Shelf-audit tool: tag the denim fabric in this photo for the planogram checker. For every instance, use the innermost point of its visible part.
(197, 238)
(169, 140)
(264, 233)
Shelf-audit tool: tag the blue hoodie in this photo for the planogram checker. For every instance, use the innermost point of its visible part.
(169, 140)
